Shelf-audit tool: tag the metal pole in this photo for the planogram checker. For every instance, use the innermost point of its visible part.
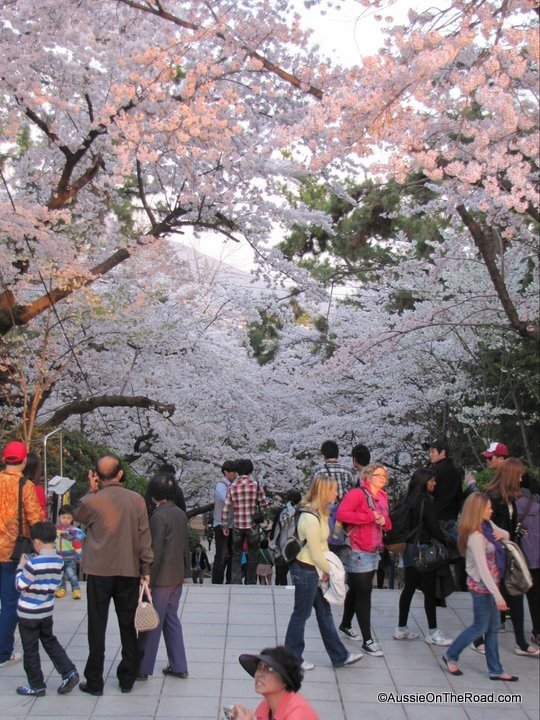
(45, 440)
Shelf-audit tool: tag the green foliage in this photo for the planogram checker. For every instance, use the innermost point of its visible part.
(365, 227)
(264, 336)
(194, 538)
(483, 477)
(79, 456)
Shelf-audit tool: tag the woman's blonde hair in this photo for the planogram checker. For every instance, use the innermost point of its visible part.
(472, 515)
(320, 494)
(506, 482)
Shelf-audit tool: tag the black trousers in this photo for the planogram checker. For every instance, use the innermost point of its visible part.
(222, 567)
(124, 592)
(282, 570)
(31, 632)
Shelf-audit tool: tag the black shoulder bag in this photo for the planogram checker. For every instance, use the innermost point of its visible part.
(23, 545)
(431, 556)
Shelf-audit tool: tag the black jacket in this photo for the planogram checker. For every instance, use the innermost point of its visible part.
(430, 521)
(501, 514)
(448, 495)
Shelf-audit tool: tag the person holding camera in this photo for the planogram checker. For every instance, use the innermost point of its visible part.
(244, 499)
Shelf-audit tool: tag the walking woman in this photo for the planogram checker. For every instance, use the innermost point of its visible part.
(168, 525)
(479, 540)
(419, 500)
(365, 512)
(503, 492)
(313, 529)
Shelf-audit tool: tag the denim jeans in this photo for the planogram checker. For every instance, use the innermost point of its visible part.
(486, 622)
(8, 609)
(70, 574)
(307, 596)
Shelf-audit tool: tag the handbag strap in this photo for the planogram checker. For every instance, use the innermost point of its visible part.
(145, 590)
(419, 530)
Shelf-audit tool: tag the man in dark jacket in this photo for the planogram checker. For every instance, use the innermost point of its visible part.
(448, 495)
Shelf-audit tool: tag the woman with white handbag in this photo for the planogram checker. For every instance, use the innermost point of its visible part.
(168, 525)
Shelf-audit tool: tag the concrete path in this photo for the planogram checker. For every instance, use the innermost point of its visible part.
(220, 622)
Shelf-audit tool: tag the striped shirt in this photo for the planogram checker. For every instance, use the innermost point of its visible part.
(344, 475)
(37, 582)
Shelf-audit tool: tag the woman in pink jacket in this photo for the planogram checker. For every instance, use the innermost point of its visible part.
(364, 511)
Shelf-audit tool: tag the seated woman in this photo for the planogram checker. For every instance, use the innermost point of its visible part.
(278, 677)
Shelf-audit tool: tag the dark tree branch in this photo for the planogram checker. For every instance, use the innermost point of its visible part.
(483, 243)
(80, 407)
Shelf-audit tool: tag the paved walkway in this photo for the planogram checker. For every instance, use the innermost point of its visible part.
(220, 622)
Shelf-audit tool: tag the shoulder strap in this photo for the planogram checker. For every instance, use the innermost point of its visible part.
(419, 529)
(369, 499)
(311, 512)
(22, 482)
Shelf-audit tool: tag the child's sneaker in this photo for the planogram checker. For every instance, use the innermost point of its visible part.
(68, 683)
(60, 593)
(76, 594)
(27, 690)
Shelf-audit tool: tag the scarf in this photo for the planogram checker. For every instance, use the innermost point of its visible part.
(500, 552)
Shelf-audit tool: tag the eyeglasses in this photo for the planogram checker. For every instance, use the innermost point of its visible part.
(265, 669)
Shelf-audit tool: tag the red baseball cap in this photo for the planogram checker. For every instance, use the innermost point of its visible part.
(496, 449)
(14, 453)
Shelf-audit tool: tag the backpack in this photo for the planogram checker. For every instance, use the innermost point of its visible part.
(395, 540)
(517, 577)
(285, 541)
(528, 528)
(338, 534)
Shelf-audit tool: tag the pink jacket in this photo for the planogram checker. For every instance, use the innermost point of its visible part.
(354, 512)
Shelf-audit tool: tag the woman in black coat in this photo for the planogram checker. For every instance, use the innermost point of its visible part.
(419, 500)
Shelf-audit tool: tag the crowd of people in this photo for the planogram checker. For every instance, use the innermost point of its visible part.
(342, 522)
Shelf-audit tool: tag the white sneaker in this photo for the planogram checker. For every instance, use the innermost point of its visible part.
(404, 634)
(306, 665)
(372, 648)
(438, 638)
(352, 658)
(15, 658)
